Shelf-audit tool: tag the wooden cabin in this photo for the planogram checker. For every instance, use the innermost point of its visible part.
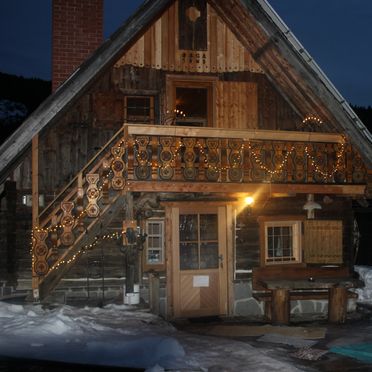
(197, 152)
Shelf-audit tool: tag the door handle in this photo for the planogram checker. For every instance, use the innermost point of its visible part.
(220, 259)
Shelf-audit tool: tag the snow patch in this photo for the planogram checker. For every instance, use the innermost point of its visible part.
(365, 293)
(121, 336)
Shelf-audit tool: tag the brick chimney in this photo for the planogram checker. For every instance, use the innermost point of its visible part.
(77, 31)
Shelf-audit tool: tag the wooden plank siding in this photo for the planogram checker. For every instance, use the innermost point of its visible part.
(158, 48)
(237, 105)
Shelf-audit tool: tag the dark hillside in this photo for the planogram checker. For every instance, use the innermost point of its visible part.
(365, 115)
(19, 97)
(29, 91)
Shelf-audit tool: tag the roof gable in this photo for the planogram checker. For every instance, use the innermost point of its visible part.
(159, 47)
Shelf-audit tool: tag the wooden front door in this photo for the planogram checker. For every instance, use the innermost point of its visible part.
(199, 264)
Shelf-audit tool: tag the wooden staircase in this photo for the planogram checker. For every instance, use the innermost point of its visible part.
(75, 220)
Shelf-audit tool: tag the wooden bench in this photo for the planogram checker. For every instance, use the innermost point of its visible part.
(284, 275)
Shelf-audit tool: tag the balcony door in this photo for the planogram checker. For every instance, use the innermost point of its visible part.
(199, 265)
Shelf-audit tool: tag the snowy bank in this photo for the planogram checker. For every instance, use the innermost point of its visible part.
(122, 336)
(365, 293)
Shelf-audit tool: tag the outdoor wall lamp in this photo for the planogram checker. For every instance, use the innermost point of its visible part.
(249, 200)
(310, 206)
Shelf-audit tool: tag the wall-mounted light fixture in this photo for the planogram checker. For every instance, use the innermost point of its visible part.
(249, 200)
(310, 206)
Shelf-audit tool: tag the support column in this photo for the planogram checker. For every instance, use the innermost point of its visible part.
(337, 305)
(131, 251)
(35, 208)
(280, 306)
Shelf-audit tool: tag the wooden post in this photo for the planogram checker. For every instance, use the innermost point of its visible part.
(131, 252)
(35, 207)
(337, 305)
(154, 293)
(280, 306)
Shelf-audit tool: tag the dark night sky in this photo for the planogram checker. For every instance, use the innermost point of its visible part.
(337, 33)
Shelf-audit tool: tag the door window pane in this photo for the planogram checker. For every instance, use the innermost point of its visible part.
(189, 227)
(209, 255)
(208, 227)
(198, 241)
(189, 257)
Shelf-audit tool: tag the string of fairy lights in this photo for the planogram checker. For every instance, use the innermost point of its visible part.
(204, 153)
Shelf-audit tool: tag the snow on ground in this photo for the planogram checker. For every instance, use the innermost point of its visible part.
(118, 335)
(365, 293)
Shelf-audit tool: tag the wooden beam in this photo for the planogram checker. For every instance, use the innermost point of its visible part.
(252, 134)
(253, 188)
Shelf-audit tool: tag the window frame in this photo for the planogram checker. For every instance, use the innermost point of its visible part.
(295, 222)
(154, 265)
(151, 119)
(180, 81)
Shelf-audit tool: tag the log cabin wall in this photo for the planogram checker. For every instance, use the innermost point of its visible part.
(247, 234)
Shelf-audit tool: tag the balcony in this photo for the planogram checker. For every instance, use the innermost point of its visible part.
(154, 158)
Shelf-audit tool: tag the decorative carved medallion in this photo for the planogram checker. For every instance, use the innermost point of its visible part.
(190, 172)
(40, 252)
(143, 169)
(166, 170)
(118, 167)
(67, 222)
(92, 195)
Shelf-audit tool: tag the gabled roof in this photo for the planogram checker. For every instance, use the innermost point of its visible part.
(259, 29)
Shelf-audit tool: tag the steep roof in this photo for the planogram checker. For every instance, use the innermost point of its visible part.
(259, 29)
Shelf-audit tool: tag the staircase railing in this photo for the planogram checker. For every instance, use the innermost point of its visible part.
(68, 225)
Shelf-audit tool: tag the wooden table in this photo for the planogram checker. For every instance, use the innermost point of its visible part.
(281, 296)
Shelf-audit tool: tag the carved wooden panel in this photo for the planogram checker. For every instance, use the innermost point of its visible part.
(118, 167)
(166, 170)
(40, 252)
(190, 172)
(143, 168)
(92, 194)
(213, 159)
(67, 222)
(235, 160)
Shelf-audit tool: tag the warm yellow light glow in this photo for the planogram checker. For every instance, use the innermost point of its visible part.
(249, 200)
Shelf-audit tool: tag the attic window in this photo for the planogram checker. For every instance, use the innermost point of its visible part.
(139, 109)
(193, 25)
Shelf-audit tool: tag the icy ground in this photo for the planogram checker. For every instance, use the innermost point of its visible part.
(116, 335)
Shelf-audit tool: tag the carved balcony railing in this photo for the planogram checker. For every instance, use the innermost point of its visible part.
(179, 154)
(166, 158)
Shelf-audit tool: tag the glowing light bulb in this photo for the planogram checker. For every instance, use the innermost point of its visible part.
(249, 200)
